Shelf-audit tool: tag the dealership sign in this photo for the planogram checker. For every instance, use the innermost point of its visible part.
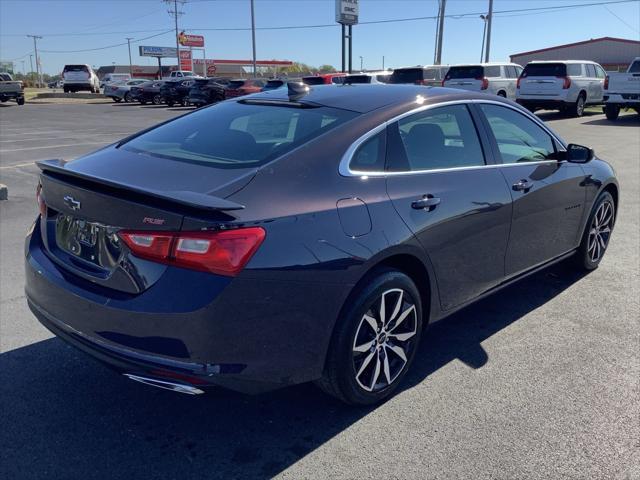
(159, 52)
(347, 12)
(185, 60)
(190, 40)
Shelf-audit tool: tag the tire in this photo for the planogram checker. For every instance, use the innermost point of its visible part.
(127, 97)
(597, 233)
(156, 100)
(170, 103)
(20, 101)
(611, 111)
(373, 372)
(117, 99)
(143, 102)
(577, 109)
(502, 94)
(65, 90)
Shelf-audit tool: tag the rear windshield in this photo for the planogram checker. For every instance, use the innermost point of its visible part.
(275, 83)
(75, 68)
(545, 70)
(235, 83)
(635, 67)
(472, 71)
(313, 80)
(358, 79)
(237, 134)
(406, 75)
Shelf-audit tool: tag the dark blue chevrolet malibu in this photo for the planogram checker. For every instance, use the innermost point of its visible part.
(305, 234)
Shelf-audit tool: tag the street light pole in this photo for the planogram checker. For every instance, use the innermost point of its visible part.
(35, 48)
(438, 59)
(253, 38)
(361, 62)
(31, 62)
(484, 34)
(490, 15)
(129, 45)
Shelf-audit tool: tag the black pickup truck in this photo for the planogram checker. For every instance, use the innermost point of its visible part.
(11, 89)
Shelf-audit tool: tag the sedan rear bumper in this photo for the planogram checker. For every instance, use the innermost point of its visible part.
(245, 334)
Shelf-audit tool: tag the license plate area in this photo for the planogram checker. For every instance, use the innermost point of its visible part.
(94, 243)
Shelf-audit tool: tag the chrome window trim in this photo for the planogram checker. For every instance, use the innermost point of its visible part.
(345, 170)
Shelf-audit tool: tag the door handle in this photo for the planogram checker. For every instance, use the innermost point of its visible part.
(522, 186)
(427, 202)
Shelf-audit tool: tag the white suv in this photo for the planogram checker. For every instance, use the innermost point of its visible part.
(567, 85)
(496, 78)
(80, 77)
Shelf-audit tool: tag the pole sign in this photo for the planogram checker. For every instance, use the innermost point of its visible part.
(190, 40)
(185, 60)
(347, 12)
(158, 52)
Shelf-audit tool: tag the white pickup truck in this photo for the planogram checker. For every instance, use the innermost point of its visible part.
(622, 90)
(11, 89)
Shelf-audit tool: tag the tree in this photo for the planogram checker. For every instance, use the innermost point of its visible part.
(327, 69)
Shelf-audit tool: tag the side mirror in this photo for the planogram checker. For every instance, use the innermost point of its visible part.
(579, 153)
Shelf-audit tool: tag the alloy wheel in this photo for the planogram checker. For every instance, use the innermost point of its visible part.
(580, 106)
(384, 340)
(600, 231)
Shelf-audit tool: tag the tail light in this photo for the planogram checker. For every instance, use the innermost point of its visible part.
(518, 82)
(42, 207)
(445, 79)
(485, 83)
(606, 82)
(223, 252)
(566, 82)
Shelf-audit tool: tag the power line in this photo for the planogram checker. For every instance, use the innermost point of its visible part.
(503, 13)
(107, 46)
(628, 25)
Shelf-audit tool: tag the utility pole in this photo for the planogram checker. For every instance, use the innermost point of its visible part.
(31, 62)
(490, 15)
(361, 62)
(484, 34)
(382, 62)
(35, 48)
(130, 66)
(253, 38)
(175, 13)
(439, 32)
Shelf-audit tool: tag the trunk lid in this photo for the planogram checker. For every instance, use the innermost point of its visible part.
(89, 200)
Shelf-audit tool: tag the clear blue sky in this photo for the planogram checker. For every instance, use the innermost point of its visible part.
(102, 22)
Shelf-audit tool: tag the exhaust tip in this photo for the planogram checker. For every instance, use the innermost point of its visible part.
(167, 385)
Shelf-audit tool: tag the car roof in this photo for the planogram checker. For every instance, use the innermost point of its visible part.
(564, 61)
(364, 98)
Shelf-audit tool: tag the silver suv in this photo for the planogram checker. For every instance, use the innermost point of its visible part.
(496, 78)
(567, 85)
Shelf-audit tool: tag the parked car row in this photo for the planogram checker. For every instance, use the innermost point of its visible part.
(568, 86)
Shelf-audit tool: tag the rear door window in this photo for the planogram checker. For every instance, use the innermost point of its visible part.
(443, 137)
(519, 139)
(574, 69)
(492, 71)
(591, 70)
(369, 157)
(511, 71)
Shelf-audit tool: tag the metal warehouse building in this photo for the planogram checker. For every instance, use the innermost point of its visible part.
(614, 54)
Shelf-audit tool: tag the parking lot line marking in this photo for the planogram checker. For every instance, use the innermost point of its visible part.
(52, 146)
(18, 165)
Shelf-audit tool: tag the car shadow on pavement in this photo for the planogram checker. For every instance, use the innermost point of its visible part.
(632, 120)
(65, 416)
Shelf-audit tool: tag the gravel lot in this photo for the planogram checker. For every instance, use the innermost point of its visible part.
(541, 380)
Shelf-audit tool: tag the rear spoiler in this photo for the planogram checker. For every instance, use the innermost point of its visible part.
(200, 201)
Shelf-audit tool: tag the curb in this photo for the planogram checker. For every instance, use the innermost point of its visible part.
(4, 192)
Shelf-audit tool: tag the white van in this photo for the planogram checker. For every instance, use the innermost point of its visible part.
(77, 78)
(495, 78)
(566, 85)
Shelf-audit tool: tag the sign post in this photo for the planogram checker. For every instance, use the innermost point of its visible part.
(347, 12)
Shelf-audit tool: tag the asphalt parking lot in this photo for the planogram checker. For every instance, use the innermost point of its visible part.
(541, 380)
